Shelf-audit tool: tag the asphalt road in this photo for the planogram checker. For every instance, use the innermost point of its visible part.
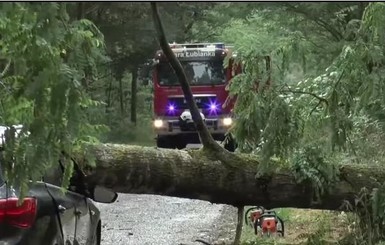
(158, 220)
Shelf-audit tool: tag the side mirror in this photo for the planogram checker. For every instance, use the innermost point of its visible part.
(154, 62)
(104, 195)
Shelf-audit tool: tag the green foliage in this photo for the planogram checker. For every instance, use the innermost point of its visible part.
(310, 164)
(367, 138)
(328, 83)
(44, 89)
(310, 102)
(358, 85)
(278, 118)
(265, 123)
(326, 104)
(368, 219)
(319, 235)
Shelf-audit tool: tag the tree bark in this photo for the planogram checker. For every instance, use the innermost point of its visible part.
(80, 10)
(121, 97)
(238, 230)
(134, 89)
(197, 175)
(108, 95)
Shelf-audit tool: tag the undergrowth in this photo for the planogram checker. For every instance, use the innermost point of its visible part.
(126, 132)
(362, 223)
(303, 226)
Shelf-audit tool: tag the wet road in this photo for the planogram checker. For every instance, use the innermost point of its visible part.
(159, 220)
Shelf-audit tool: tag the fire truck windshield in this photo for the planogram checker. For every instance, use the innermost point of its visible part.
(197, 72)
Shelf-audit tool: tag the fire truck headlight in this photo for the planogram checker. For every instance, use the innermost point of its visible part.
(158, 123)
(227, 121)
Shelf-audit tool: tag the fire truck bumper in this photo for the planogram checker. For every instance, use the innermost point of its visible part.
(177, 133)
(174, 126)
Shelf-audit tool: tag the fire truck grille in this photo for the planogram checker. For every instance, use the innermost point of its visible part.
(189, 126)
(202, 102)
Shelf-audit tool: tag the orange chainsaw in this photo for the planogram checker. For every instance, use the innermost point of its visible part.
(264, 222)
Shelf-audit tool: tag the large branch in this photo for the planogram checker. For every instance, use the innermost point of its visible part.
(191, 174)
(325, 25)
(204, 134)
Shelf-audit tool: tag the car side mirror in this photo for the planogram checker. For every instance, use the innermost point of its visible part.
(154, 62)
(104, 195)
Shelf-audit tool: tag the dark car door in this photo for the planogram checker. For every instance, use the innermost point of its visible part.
(66, 206)
(83, 219)
(46, 228)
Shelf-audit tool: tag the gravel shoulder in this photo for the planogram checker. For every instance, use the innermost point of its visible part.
(159, 220)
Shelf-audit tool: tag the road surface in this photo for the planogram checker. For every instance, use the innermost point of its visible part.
(158, 220)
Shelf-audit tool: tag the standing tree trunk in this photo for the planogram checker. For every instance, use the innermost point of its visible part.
(80, 10)
(121, 97)
(108, 95)
(134, 85)
(238, 230)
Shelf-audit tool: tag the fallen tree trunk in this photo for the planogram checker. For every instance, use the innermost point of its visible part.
(194, 174)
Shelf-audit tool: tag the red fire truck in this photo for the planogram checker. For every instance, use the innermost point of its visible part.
(208, 78)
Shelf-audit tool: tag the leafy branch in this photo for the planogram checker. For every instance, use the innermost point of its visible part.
(329, 28)
(6, 68)
(289, 90)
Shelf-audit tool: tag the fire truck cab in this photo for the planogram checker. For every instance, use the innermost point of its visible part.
(208, 78)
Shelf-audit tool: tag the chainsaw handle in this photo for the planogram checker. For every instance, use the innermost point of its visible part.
(282, 225)
(247, 214)
(250, 209)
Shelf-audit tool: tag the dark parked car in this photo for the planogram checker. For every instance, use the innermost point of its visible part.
(48, 216)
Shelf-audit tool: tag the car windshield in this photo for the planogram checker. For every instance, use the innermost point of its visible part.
(197, 72)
